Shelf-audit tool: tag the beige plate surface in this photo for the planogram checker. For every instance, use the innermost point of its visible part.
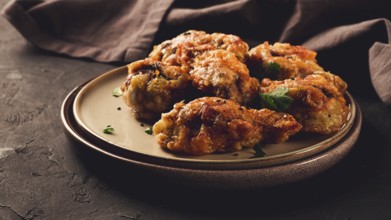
(213, 177)
(95, 107)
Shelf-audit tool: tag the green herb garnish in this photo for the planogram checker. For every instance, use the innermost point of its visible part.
(272, 68)
(117, 92)
(276, 99)
(148, 130)
(108, 130)
(258, 151)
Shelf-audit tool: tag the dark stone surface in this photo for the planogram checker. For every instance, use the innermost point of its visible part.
(43, 175)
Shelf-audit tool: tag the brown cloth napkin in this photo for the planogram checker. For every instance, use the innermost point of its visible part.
(107, 31)
(352, 38)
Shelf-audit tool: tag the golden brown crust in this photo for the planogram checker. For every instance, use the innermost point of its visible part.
(319, 103)
(220, 73)
(153, 87)
(210, 124)
(232, 44)
(293, 61)
(217, 65)
(181, 50)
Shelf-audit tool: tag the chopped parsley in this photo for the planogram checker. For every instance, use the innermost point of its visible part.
(258, 151)
(272, 68)
(117, 92)
(108, 130)
(148, 130)
(276, 100)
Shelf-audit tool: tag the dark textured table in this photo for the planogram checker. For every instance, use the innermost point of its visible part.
(43, 175)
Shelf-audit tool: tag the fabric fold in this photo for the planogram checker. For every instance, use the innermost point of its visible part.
(380, 68)
(106, 31)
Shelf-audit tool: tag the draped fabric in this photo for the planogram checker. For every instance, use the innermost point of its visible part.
(352, 38)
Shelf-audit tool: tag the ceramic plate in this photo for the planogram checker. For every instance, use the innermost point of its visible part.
(214, 177)
(95, 108)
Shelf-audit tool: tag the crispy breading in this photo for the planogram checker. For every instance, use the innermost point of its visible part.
(319, 103)
(197, 64)
(181, 50)
(292, 61)
(210, 124)
(153, 87)
(220, 73)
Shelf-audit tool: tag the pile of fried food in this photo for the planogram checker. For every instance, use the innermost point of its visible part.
(211, 93)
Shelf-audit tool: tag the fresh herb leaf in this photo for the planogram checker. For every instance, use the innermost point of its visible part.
(108, 130)
(258, 151)
(276, 100)
(272, 68)
(117, 92)
(148, 130)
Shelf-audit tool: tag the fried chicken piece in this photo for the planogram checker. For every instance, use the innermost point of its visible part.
(318, 101)
(282, 61)
(153, 87)
(220, 73)
(181, 50)
(210, 124)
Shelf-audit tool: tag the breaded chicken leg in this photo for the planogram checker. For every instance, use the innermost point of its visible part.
(210, 124)
(153, 87)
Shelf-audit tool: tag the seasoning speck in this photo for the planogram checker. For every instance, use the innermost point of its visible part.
(108, 130)
(117, 92)
(119, 108)
(148, 130)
